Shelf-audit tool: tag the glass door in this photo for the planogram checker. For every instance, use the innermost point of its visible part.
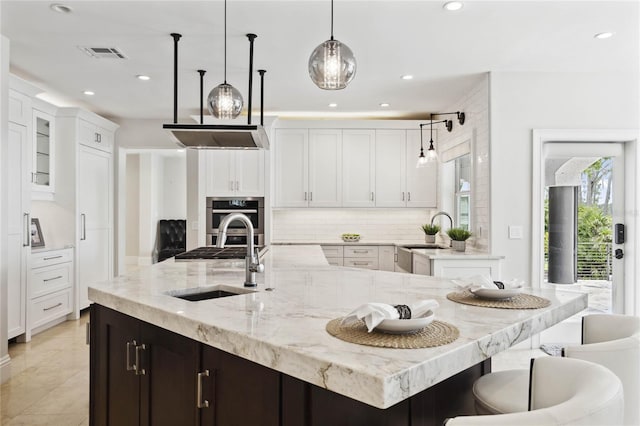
(43, 151)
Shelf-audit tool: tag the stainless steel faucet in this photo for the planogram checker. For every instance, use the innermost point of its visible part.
(252, 260)
(442, 214)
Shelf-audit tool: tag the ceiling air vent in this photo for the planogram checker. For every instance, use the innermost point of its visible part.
(103, 52)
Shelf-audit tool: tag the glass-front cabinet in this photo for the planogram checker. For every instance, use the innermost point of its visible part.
(42, 176)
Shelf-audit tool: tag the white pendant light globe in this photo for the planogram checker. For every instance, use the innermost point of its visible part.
(332, 65)
(225, 101)
(422, 160)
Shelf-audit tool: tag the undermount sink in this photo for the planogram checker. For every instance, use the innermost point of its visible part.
(206, 293)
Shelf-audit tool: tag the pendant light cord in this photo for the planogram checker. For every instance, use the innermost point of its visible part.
(225, 41)
(331, 19)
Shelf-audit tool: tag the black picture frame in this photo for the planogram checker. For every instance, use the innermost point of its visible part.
(37, 240)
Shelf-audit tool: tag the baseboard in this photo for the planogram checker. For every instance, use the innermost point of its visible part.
(131, 260)
(5, 368)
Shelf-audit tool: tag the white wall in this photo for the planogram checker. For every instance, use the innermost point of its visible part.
(132, 189)
(521, 102)
(174, 188)
(5, 362)
(144, 134)
(475, 105)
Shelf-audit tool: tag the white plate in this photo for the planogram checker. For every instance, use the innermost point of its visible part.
(399, 326)
(496, 293)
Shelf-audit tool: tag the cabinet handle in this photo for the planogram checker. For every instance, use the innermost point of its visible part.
(52, 307)
(51, 279)
(99, 138)
(237, 185)
(26, 240)
(402, 195)
(200, 402)
(88, 333)
(361, 263)
(310, 196)
(139, 371)
(129, 345)
(52, 257)
(305, 195)
(361, 251)
(34, 178)
(372, 198)
(83, 224)
(409, 196)
(231, 185)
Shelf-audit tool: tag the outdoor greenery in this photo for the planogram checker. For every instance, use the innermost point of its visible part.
(594, 222)
(430, 229)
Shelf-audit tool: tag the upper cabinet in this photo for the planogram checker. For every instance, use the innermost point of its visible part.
(232, 173)
(43, 174)
(351, 168)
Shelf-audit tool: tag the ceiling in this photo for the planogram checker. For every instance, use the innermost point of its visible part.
(446, 52)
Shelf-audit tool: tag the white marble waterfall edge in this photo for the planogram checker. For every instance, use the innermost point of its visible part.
(284, 328)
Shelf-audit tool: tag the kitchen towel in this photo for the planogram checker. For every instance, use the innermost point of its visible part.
(374, 313)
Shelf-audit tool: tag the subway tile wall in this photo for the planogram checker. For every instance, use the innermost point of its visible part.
(311, 225)
(475, 105)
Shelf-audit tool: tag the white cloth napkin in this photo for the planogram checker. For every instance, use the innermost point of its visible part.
(477, 282)
(374, 313)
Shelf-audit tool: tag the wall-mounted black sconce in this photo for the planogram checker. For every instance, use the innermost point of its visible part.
(432, 155)
(449, 125)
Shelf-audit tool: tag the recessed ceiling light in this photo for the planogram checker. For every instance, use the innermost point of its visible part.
(143, 77)
(89, 93)
(602, 36)
(384, 104)
(332, 105)
(60, 8)
(453, 5)
(407, 77)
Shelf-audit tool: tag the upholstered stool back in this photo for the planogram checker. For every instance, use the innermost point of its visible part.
(172, 239)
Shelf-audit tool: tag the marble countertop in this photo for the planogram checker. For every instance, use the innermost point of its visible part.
(282, 325)
(443, 254)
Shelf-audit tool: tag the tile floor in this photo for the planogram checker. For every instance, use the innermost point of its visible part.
(50, 378)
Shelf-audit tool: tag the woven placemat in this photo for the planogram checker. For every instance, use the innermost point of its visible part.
(437, 333)
(520, 301)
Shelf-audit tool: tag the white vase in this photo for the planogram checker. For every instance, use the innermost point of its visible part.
(458, 245)
(429, 239)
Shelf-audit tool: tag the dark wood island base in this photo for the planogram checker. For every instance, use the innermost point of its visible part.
(142, 374)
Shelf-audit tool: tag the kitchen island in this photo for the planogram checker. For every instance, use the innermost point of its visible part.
(280, 329)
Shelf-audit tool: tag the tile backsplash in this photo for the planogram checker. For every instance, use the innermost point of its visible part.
(309, 225)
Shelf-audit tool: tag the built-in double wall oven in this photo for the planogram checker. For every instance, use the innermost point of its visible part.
(219, 207)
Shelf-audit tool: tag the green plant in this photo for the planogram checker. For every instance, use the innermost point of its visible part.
(430, 229)
(458, 234)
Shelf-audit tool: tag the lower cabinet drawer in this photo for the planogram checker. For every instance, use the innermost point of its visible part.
(364, 263)
(361, 251)
(332, 251)
(49, 279)
(51, 257)
(49, 307)
(335, 261)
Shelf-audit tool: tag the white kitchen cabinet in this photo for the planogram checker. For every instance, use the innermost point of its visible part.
(325, 168)
(422, 183)
(19, 107)
(390, 168)
(85, 187)
(421, 265)
(51, 288)
(18, 226)
(466, 267)
(234, 173)
(358, 168)
(291, 158)
(43, 174)
(308, 168)
(386, 258)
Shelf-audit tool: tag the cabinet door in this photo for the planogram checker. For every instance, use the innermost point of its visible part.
(168, 387)
(422, 183)
(358, 165)
(386, 258)
(95, 258)
(249, 173)
(325, 168)
(220, 180)
(114, 387)
(391, 163)
(43, 152)
(18, 239)
(421, 265)
(291, 162)
(240, 392)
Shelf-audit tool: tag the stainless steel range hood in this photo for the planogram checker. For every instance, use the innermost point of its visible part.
(217, 136)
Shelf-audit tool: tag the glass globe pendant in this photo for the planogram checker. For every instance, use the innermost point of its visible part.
(225, 101)
(332, 65)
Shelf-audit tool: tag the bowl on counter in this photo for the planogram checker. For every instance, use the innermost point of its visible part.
(350, 238)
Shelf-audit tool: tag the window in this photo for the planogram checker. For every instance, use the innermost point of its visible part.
(462, 185)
